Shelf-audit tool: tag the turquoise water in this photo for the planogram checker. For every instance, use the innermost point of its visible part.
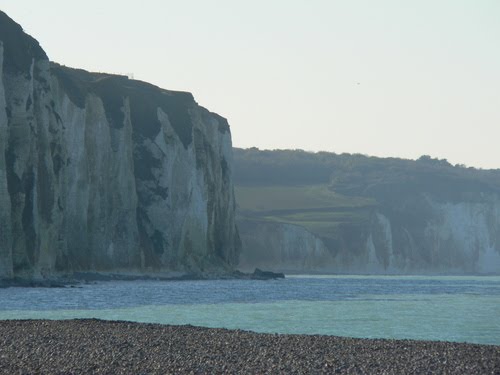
(431, 308)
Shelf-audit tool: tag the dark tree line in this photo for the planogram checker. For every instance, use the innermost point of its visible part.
(357, 174)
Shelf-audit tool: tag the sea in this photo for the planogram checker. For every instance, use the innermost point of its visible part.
(445, 308)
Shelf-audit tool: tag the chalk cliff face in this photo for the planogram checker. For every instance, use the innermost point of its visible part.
(282, 247)
(445, 237)
(438, 237)
(348, 213)
(99, 172)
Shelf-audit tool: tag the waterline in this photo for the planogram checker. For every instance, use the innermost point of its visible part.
(379, 307)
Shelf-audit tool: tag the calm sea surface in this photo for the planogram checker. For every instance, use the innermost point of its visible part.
(431, 308)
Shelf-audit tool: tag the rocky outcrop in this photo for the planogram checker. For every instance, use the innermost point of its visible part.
(99, 172)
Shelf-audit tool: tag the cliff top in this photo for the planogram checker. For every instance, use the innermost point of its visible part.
(19, 48)
(356, 174)
(144, 99)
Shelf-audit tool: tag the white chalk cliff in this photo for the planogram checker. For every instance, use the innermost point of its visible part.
(102, 173)
(282, 247)
(441, 237)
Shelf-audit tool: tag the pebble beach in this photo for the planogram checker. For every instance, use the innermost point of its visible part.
(112, 347)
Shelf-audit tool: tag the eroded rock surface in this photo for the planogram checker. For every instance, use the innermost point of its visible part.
(99, 172)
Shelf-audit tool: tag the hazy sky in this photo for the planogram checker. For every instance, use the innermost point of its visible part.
(387, 78)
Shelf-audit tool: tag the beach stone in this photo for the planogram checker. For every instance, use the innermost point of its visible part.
(115, 347)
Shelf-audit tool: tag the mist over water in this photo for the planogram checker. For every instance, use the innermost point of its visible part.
(426, 308)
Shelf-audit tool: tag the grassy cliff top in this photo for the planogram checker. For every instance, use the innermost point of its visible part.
(360, 175)
(19, 48)
(145, 99)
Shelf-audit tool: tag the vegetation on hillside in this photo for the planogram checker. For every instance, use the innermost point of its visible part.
(334, 195)
(359, 175)
(314, 207)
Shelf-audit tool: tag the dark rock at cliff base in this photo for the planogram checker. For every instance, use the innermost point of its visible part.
(258, 274)
(28, 283)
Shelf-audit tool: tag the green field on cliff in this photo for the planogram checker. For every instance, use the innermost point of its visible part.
(314, 207)
(310, 197)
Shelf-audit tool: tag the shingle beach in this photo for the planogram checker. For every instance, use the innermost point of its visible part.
(110, 347)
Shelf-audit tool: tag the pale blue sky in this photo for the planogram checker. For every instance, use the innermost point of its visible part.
(386, 78)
